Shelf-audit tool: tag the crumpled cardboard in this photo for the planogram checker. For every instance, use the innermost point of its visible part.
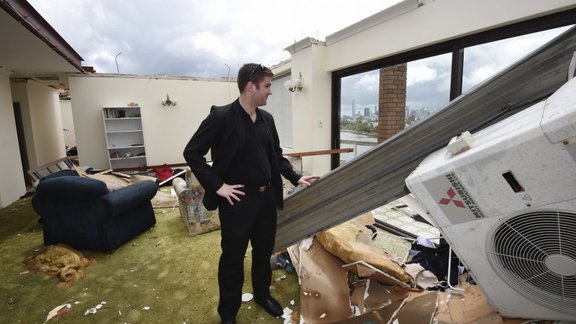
(350, 242)
(60, 261)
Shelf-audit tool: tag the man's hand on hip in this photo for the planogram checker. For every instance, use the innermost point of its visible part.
(231, 192)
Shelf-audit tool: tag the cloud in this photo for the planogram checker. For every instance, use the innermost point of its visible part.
(203, 38)
(194, 38)
(360, 91)
(368, 82)
(483, 61)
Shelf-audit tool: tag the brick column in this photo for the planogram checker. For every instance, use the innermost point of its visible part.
(392, 101)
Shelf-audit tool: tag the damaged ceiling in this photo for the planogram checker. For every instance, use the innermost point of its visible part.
(32, 48)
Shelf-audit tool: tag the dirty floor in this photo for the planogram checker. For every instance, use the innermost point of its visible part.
(161, 276)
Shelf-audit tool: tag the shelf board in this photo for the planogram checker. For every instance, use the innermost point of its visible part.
(125, 147)
(125, 131)
(128, 158)
(123, 118)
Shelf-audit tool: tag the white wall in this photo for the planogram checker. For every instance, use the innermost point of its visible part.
(435, 21)
(311, 108)
(11, 174)
(166, 129)
(67, 123)
(42, 121)
(46, 123)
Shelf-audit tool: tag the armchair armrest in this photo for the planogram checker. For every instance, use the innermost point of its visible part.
(131, 196)
(179, 186)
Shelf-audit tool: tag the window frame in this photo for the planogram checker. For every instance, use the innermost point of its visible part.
(454, 46)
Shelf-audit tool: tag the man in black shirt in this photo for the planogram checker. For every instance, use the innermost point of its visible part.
(244, 183)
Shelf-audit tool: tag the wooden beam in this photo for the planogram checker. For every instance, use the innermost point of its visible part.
(323, 152)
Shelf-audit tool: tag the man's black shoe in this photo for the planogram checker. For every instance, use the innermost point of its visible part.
(228, 321)
(271, 306)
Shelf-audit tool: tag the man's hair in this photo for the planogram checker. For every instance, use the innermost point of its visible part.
(252, 72)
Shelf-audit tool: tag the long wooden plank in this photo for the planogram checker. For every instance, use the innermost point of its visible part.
(377, 177)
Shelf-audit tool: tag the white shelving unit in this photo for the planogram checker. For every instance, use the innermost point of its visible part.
(124, 137)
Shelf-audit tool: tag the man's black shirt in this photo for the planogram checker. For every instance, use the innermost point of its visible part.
(251, 166)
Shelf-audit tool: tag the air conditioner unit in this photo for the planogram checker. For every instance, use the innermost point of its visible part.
(505, 200)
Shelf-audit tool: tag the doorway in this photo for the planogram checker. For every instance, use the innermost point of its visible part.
(21, 141)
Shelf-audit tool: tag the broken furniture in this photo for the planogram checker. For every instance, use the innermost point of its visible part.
(83, 214)
(195, 216)
(38, 173)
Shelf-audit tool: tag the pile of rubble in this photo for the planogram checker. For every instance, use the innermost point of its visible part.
(346, 278)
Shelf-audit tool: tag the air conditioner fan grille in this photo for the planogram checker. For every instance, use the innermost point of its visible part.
(536, 254)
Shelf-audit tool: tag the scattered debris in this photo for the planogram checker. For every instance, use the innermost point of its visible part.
(60, 311)
(280, 278)
(374, 286)
(94, 309)
(324, 285)
(247, 297)
(306, 243)
(365, 270)
(292, 317)
(282, 261)
(61, 261)
(351, 242)
(146, 308)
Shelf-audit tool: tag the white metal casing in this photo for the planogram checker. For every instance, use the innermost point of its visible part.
(468, 196)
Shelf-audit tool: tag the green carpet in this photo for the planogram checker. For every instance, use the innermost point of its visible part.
(164, 270)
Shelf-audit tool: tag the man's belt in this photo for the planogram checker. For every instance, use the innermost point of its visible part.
(258, 189)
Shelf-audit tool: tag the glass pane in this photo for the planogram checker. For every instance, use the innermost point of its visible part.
(359, 113)
(428, 87)
(483, 61)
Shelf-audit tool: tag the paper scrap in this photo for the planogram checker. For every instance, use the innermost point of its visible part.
(247, 297)
(94, 309)
(58, 309)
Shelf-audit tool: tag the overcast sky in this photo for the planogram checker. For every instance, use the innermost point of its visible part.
(201, 38)
(195, 38)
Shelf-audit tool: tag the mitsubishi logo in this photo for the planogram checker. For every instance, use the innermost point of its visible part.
(451, 194)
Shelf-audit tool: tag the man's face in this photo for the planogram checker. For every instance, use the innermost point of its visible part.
(263, 90)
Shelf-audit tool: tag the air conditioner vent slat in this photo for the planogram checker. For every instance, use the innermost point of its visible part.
(535, 252)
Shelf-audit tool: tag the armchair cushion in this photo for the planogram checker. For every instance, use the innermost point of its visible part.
(81, 213)
(71, 187)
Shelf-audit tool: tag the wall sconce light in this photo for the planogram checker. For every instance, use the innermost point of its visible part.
(294, 84)
(168, 102)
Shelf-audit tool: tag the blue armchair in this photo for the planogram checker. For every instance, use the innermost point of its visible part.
(81, 213)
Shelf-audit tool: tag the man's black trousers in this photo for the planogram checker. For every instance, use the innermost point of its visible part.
(252, 219)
